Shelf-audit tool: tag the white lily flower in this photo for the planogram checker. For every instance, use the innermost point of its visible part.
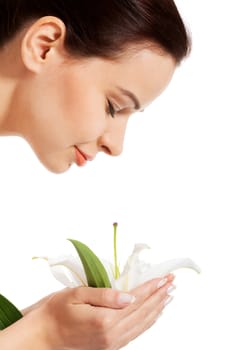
(70, 272)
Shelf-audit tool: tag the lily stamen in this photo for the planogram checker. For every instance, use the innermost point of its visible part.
(117, 273)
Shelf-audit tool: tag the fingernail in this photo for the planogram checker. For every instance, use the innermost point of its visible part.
(162, 283)
(171, 289)
(168, 300)
(125, 298)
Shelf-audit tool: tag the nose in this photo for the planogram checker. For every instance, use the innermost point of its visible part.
(112, 140)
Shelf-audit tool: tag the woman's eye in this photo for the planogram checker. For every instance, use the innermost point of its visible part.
(111, 109)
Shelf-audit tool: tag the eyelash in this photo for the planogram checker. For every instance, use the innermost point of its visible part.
(111, 109)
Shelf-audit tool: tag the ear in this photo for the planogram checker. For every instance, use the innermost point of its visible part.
(43, 41)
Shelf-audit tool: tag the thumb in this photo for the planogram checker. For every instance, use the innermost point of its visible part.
(105, 297)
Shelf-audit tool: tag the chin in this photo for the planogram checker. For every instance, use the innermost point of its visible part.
(55, 162)
(57, 170)
(55, 167)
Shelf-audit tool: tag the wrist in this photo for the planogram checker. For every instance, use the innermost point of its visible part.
(39, 323)
(30, 332)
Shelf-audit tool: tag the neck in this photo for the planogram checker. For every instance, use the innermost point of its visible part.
(10, 68)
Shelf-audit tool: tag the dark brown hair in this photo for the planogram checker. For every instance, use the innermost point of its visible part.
(103, 28)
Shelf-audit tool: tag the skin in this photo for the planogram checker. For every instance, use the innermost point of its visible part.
(62, 101)
(87, 318)
(59, 103)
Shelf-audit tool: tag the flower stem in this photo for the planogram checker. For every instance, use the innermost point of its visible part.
(115, 252)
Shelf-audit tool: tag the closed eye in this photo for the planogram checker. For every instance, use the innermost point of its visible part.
(111, 109)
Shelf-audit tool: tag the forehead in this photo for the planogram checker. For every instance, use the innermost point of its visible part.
(145, 72)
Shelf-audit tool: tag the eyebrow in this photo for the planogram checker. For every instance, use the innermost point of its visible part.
(133, 97)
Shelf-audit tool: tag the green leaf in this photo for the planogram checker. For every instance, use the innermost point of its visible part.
(95, 272)
(8, 313)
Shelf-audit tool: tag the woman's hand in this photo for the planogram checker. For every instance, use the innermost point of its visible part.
(87, 318)
(36, 305)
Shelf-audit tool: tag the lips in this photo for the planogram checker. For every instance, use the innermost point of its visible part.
(81, 157)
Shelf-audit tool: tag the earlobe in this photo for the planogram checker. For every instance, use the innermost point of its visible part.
(44, 38)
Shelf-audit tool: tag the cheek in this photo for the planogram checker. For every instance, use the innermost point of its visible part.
(64, 111)
(82, 108)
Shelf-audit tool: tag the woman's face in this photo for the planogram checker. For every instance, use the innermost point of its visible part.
(73, 109)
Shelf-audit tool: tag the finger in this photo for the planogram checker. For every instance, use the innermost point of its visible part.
(144, 291)
(104, 297)
(132, 333)
(145, 323)
(147, 298)
(143, 317)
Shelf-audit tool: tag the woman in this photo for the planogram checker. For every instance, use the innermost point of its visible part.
(71, 74)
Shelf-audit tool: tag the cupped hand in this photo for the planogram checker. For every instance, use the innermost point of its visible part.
(87, 318)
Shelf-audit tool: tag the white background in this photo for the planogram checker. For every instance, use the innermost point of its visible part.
(172, 188)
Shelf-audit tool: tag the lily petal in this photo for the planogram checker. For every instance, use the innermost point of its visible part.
(164, 268)
(171, 265)
(68, 270)
(130, 275)
(134, 257)
(137, 271)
